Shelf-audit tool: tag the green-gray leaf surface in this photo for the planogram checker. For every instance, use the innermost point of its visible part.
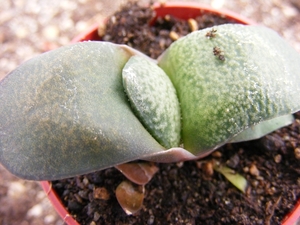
(261, 129)
(153, 98)
(258, 80)
(65, 113)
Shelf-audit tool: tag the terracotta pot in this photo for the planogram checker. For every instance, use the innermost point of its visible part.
(182, 11)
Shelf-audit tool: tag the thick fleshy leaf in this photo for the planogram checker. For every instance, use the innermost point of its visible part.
(65, 113)
(230, 82)
(154, 100)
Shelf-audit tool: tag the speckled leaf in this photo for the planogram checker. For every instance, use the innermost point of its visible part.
(256, 79)
(153, 98)
(65, 113)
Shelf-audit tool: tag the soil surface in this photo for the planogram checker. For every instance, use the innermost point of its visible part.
(191, 192)
(28, 28)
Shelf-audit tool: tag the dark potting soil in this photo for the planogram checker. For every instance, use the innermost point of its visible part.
(190, 192)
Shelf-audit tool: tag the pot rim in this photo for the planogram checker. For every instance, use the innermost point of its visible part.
(57, 204)
(196, 9)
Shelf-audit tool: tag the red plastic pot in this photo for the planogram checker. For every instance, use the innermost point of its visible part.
(182, 11)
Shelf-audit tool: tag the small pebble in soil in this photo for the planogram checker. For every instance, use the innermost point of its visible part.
(193, 24)
(180, 164)
(216, 154)
(278, 158)
(96, 216)
(85, 181)
(174, 36)
(246, 169)
(78, 198)
(233, 161)
(208, 169)
(297, 153)
(253, 170)
(150, 220)
(101, 193)
(272, 142)
(271, 191)
(74, 206)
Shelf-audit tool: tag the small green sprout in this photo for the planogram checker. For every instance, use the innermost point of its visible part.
(233, 177)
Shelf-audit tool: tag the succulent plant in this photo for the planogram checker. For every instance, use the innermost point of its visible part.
(93, 105)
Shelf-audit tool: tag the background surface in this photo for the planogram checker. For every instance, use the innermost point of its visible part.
(30, 27)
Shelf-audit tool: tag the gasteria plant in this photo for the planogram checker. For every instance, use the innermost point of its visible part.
(94, 105)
